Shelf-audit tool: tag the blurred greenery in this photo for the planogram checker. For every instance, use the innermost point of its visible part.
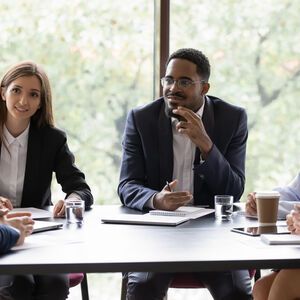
(98, 56)
(254, 52)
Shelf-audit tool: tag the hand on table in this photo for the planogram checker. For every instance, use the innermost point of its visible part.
(293, 220)
(168, 200)
(250, 207)
(21, 221)
(59, 210)
(5, 203)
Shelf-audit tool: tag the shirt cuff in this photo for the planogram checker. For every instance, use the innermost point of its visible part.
(74, 195)
(201, 160)
(149, 203)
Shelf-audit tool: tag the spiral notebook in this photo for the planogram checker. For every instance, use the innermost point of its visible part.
(191, 212)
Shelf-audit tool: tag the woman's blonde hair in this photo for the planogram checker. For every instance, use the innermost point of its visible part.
(44, 115)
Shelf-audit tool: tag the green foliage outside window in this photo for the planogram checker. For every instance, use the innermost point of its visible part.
(253, 47)
(99, 57)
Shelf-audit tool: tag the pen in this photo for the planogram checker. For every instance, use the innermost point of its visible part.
(168, 186)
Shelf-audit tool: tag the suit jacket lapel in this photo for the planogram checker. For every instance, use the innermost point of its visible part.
(208, 122)
(208, 117)
(165, 142)
(32, 167)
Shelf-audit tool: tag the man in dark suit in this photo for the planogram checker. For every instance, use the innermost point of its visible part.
(198, 144)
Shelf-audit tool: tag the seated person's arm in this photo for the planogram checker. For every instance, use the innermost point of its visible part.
(13, 230)
(8, 237)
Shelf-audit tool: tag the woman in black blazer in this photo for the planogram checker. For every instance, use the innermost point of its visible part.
(31, 150)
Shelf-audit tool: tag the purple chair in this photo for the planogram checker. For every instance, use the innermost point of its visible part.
(79, 278)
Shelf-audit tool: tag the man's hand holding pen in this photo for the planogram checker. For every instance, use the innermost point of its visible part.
(166, 199)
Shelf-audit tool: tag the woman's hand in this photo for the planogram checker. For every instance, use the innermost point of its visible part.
(59, 210)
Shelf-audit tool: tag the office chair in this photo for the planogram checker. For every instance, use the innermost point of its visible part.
(75, 279)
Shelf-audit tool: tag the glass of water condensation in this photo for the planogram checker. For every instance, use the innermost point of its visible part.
(223, 206)
(74, 210)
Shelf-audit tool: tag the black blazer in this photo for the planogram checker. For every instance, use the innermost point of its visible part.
(48, 152)
(148, 153)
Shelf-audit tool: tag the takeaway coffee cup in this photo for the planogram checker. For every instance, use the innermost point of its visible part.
(267, 207)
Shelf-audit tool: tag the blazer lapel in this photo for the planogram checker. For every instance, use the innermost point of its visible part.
(32, 167)
(165, 144)
(208, 117)
(208, 122)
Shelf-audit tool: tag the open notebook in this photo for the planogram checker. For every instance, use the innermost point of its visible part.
(40, 226)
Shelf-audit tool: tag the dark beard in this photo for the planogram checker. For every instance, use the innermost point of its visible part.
(170, 114)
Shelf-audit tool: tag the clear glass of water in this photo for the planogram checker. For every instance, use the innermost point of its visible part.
(223, 206)
(74, 211)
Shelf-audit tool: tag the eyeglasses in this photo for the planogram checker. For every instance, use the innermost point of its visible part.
(183, 83)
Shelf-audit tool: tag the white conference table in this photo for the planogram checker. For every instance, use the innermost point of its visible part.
(203, 244)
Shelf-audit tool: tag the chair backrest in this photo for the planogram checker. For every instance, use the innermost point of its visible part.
(75, 279)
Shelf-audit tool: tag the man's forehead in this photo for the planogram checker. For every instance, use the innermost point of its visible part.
(181, 68)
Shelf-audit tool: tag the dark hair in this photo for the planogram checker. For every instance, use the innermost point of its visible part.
(196, 57)
(44, 115)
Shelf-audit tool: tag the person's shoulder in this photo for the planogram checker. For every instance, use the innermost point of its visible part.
(49, 132)
(149, 108)
(224, 105)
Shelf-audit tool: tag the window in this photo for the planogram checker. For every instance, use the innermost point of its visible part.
(99, 58)
(254, 52)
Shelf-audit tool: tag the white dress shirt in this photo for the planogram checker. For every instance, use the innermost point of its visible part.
(183, 160)
(12, 166)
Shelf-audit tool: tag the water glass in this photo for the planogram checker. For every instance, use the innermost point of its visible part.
(74, 211)
(223, 207)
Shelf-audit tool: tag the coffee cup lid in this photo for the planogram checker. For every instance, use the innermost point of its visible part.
(267, 194)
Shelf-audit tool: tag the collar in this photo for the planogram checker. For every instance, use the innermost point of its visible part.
(22, 138)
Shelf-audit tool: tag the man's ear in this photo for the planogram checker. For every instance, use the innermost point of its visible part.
(205, 88)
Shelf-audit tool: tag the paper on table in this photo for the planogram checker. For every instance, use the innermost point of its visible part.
(243, 213)
(45, 240)
(36, 213)
(191, 212)
(281, 239)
